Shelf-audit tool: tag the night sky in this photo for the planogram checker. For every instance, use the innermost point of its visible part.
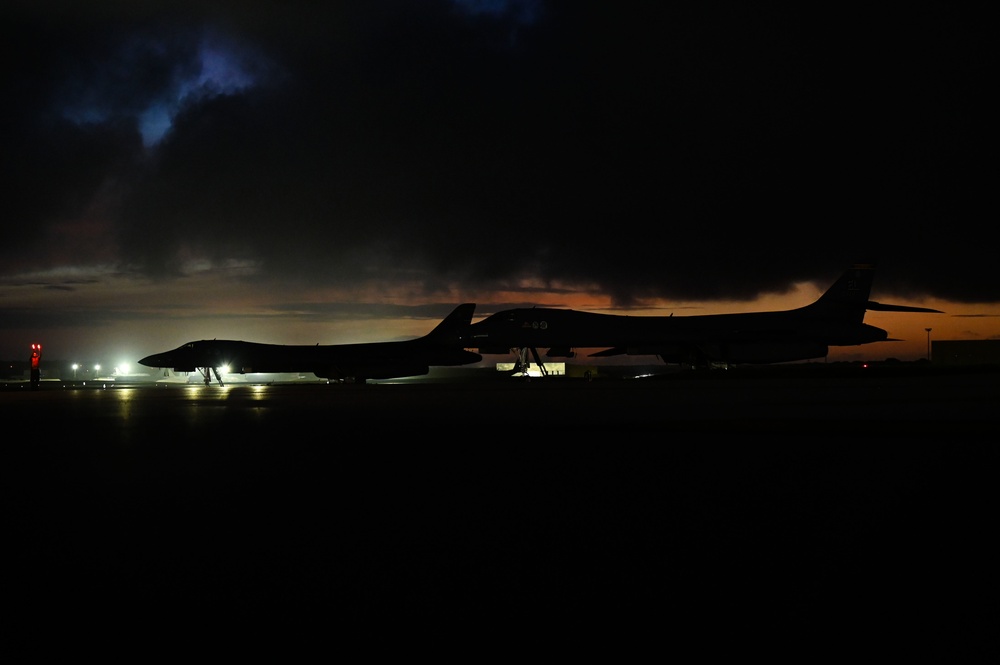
(304, 172)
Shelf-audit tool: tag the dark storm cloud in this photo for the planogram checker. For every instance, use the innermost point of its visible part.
(649, 149)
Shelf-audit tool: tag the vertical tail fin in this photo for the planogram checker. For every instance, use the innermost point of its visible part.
(453, 325)
(848, 298)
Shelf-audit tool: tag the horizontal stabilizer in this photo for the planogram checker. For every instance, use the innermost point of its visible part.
(875, 306)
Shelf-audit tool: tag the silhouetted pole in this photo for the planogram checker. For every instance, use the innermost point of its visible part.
(928, 344)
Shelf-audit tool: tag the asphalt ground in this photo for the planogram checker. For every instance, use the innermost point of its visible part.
(792, 500)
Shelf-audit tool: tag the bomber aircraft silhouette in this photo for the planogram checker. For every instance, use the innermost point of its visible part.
(835, 319)
(340, 362)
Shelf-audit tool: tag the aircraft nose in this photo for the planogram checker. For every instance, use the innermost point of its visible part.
(155, 360)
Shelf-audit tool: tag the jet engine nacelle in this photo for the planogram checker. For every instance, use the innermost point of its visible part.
(375, 371)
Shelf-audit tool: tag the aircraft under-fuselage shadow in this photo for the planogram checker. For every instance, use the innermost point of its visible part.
(835, 319)
(336, 362)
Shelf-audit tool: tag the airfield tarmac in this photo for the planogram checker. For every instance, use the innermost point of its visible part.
(776, 497)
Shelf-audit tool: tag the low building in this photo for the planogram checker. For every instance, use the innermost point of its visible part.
(966, 352)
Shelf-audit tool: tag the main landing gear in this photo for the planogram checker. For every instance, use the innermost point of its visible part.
(206, 373)
(522, 363)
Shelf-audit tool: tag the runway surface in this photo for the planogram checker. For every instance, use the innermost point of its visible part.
(728, 498)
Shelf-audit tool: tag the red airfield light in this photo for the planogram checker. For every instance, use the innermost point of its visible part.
(36, 361)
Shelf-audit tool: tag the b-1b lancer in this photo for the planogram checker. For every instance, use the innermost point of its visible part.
(341, 362)
(835, 319)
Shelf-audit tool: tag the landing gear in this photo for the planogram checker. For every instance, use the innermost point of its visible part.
(522, 363)
(206, 373)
